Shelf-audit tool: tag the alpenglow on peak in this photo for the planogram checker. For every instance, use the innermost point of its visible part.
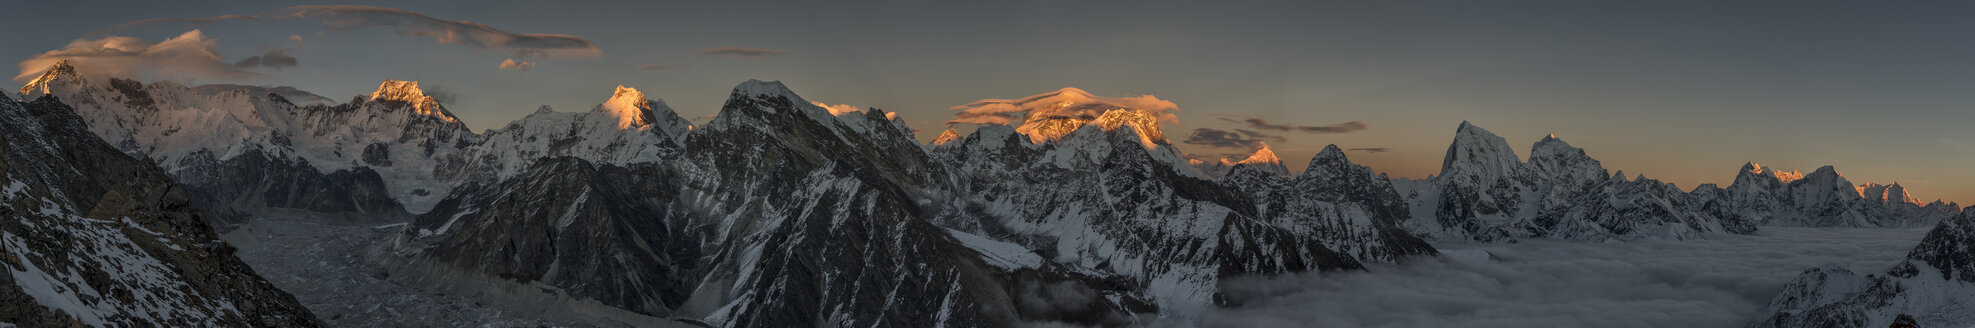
(408, 92)
(628, 106)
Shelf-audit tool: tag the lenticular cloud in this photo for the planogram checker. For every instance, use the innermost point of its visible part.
(1068, 102)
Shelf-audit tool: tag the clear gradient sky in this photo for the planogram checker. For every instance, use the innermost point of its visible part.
(1679, 91)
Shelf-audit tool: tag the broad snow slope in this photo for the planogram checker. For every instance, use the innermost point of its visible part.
(1484, 193)
(256, 149)
(777, 213)
(94, 237)
(1111, 198)
(1935, 285)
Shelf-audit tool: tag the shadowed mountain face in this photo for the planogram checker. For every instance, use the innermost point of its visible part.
(94, 237)
(1932, 287)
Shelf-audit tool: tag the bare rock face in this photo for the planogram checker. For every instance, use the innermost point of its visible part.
(95, 237)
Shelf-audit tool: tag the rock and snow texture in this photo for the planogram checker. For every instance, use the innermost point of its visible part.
(735, 230)
(94, 237)
(251, 151)
(1484, 193)
(627, 128)
(1823, 198)
(1112, 197)
(1934, 285)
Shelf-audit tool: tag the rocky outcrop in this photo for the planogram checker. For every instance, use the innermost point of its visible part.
(92, 236)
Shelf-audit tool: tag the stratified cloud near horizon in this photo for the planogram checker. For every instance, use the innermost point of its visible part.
(186, 56)
(1068, 102)
(741, 52)
(525, 45)
(1263, 124)
(276, 59)
(407, 23)
(1243, 139)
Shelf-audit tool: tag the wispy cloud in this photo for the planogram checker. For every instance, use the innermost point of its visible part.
(345, 17)
(1238, 138)
(1371, 150)
(276, 59)
(1263, 124)
(741, 52)
(659, 67)
(1069, 102)
(187, 56)
(521, 65)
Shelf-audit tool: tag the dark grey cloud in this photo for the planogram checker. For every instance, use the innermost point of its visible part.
(442, 94)
(1723, 282)
(741, 52)
(275, 59)
(1371, 150)
(1263, 124)
(525, 45)
(1238, 138)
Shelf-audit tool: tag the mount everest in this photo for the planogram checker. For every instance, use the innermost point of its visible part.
(781, 212)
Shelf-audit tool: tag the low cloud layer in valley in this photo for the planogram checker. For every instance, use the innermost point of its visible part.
(1723, 282)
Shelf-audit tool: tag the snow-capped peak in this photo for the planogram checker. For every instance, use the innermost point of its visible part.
(1263, 156)
(409, 93)
(628, 106)
(758, 88)
(1477, 153)
(60, 71)
(1265, 160)
(1144, 123)
(1779, 175)
(946, 137)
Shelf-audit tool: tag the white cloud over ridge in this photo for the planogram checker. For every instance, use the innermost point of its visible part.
(186, 56)
(1700, 283)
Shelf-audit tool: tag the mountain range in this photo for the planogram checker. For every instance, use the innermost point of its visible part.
(781, 212)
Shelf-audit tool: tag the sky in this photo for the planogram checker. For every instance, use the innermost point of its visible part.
(1684, 92)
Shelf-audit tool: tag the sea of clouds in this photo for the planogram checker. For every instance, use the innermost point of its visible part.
(1721, 282)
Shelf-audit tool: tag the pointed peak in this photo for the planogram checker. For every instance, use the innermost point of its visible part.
(1263, 156)
(628, 106)
(1331, 151)
(946, 137)
(408, 92)
(545, 109)
(1752, 167)
(61, 70)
